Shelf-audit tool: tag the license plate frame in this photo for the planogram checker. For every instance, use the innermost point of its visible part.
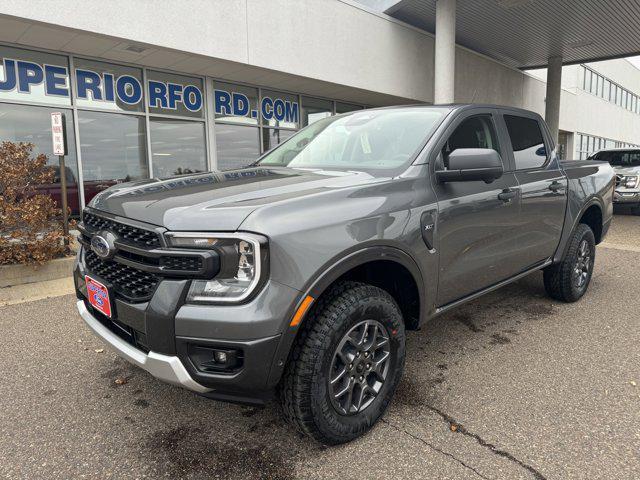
(99, 296)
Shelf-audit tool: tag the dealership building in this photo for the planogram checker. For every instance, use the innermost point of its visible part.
(162, 88)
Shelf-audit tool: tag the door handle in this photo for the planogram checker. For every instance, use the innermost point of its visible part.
(555, 186)
(507, 195)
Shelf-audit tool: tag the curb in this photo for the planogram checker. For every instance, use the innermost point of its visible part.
(14, 275)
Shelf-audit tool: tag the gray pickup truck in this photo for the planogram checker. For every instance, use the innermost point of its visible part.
(626, 164)
(299, 275)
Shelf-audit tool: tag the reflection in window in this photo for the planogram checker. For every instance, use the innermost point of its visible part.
(373, 140)
(23, 123)
(527, 142)
(237, 146)
(314, 109)
(272, 137)
(177, 146)
(113, 150)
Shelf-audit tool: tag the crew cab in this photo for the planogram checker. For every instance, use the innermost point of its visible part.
(300, 275)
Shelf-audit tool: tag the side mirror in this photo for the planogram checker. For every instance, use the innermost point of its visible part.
(472, 164)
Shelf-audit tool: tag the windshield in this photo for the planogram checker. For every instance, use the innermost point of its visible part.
(620, 158)
(367, 140)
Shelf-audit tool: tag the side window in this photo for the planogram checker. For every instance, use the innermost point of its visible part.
(474, 132)
(527, 141)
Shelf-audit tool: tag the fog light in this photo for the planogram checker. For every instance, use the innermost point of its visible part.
(220, 356)
(215, 359)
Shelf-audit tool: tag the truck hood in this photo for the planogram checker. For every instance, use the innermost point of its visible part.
(627, 170)
(217, 201)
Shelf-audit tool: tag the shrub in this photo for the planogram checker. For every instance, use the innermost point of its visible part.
(30, 223)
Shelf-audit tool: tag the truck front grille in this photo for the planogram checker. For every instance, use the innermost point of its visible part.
(182, 264)
(127, 282)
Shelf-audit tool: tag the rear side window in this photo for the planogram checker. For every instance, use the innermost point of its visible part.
(527, 141)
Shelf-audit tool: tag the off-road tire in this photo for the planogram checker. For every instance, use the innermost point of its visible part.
(304, 390)
(559, 279)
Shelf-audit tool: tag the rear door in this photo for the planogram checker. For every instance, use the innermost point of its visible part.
(476, 221)
(543, 187)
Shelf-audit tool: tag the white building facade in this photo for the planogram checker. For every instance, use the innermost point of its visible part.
(161, 88)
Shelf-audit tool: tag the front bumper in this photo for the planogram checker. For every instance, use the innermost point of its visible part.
(160, 335)
(167, 368)
(626, 196)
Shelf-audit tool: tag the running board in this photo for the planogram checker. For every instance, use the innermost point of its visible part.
(473, 296)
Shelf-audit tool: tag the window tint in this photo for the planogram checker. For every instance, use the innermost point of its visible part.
(527, 142)
(237, 145)
(23, 123)
(630, 158)
(177, 147)
(474, 132)
(113, 150)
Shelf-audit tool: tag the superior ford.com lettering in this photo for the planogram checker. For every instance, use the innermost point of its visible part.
(21, 76)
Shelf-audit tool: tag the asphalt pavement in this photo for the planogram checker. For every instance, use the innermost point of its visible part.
(511, 386)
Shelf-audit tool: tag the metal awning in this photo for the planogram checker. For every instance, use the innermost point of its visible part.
(525, 33)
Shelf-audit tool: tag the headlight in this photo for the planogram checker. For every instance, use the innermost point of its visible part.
(242, 258)
(630, 181)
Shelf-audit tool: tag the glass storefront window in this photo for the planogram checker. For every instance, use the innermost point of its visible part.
(279, 109)
(237, 145)
(347, 107)
(177, 147)
(108, 86)
(113, 150)
(235, 103)
(29, 76)
(314, 109)
(172, 94)
(272, 137)
(30, 124)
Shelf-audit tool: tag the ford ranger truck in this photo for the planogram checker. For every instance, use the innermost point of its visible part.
(626, 165)
(299, 277)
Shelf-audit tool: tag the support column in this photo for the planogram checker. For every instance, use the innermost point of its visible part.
(554, 91)
(445, 52)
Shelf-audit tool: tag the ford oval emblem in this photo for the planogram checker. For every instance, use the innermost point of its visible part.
(101, 246)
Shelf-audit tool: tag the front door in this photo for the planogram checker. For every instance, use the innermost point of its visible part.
(476, 221)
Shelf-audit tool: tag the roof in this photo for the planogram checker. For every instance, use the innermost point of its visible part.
(525, 33)
(622, 149)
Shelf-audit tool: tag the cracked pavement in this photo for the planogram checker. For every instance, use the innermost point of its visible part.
(511, 386)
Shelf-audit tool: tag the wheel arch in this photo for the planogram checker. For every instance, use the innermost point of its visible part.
(357, 265)
(591, 211)
(342, 268)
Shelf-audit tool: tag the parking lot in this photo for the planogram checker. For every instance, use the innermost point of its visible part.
(511, 386)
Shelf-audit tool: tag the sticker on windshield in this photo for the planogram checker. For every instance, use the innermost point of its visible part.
(364, 142)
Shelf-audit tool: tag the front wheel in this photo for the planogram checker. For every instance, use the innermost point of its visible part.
(568, 280)
(345, 365)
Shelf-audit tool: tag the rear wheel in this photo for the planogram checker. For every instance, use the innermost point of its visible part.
(568, 280)
(345, 365)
